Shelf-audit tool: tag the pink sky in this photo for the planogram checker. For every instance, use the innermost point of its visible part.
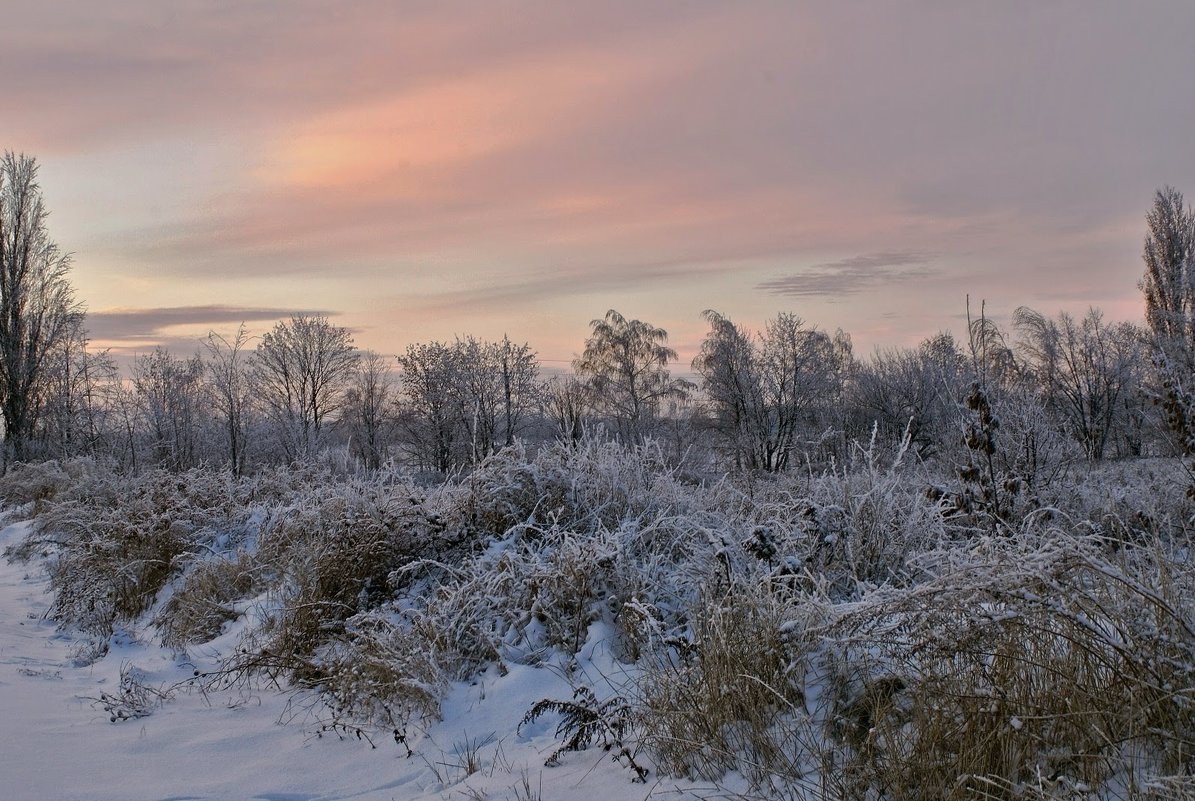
(420, 170)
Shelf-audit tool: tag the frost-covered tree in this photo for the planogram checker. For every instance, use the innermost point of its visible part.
(228, 377)
(428, 378)
(914, 390)
(799, 367)
(368, 410)
(37, 307)
(1169, 288)
(518, 374)
(171, 399)
(766, 392)
(728, 364)
(301, 371)
(77, 417)
(625, 364)
(465, 400)
(1085, 372)
(566, 404)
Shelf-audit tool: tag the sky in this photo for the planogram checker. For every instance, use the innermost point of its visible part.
(423, 170)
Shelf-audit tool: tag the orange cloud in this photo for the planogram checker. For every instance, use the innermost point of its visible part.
(397, 145)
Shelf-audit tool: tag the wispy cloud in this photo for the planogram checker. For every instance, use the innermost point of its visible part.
(853, 275)
(458, 162)
(116, 325)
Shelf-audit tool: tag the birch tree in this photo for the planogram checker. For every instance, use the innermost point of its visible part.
(625, 364)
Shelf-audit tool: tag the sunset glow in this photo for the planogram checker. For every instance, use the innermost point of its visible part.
(422, 171)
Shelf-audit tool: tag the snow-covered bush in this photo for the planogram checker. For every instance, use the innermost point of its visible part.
(328, 555)
(205, 599)
(852, 529)
(1134, 501)
(116, 541)
(383, 673)
(38, 482)
(1048, 656)
(579, 486)
(731, 695)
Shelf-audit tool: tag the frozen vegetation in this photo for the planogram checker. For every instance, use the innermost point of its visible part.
(861, 631)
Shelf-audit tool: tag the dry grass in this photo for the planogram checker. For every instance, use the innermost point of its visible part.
(205, 598)
(384, 674)
(726, 700)
(1018, 662)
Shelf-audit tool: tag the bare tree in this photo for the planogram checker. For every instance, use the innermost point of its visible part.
(302, 368)
(228, 377)
(429, 413)
(915, 391)
(767, 391)
(79, 386)
(368, 409)
(728, 364)
(476, 394)
(37, 307)
(464, 401)
(1084, 369)
(565, 403)
(518, 373)
(625, 363)
(170, 396)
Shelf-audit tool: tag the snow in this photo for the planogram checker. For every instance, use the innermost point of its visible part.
(57, 741)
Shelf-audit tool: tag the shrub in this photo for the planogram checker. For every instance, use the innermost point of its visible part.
(577, 486)
(204, 600)
(113, 571)
(383, 674)
(1018, 660)
(36, 482)
(727, 698)
(328, 557)
(118, 540)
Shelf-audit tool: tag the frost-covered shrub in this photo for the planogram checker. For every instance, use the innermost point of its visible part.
(113, 571)
(847, 531)
(205, 599)
(1011, 456)
(383, 673)
(579, 533)
(328, 556)
(38, 482)
(1134, 501)
(585, 721)
(532, 591)
(540, 589)
(1053, 656)
(731, 695)
(116, 540)
(579, 486)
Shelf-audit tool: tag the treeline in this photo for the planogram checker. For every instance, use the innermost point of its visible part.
(786, 396)
(783, 397)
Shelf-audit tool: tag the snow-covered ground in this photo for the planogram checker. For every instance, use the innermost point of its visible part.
(57, 742)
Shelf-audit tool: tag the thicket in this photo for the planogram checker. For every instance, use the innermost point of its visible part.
(853, 632)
